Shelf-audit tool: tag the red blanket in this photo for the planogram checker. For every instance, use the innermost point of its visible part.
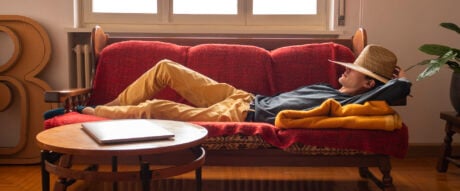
(393, 143)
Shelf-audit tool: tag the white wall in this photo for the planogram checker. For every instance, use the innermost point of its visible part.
(54, 16)
(400, 25)
(403, 26)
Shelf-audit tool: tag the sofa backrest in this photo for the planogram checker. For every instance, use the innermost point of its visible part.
(121, 63)
(296, 66)
(247, 67)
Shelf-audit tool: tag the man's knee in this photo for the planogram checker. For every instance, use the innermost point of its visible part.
(165, 62)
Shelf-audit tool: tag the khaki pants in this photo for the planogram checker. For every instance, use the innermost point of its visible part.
(213, 101)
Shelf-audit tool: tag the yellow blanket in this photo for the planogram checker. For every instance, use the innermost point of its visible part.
(375, 115)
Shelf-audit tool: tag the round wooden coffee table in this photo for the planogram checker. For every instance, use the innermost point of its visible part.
(60, 144)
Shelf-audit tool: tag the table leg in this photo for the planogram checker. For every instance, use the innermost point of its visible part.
(197, 151)
(45, 174)
(146, 176)
(115, 169)
(446, 149)
(198, 179)
(62, 183)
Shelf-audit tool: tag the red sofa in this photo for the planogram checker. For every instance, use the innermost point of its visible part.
(252, 67)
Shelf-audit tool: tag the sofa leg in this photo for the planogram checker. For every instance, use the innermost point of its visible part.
(386, 183)
(364, 172)
(387, 180)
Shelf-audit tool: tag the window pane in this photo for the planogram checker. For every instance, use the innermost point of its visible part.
(215, 7)
(284, 7)
(123, 6)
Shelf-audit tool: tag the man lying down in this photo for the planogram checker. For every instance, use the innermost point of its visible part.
(373, 76)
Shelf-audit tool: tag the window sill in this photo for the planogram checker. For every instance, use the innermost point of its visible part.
(215, 30)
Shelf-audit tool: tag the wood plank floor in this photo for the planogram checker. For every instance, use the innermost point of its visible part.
(409, 174)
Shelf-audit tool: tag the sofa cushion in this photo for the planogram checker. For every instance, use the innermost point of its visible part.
(70, 118)
(394, 143)
(301, 65)
(245, 67)
(123, 62)
(369, 141)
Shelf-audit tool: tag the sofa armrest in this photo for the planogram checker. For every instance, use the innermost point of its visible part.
(70, 98)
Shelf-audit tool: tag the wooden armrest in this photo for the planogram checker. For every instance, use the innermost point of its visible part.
(60, 96)
(70, 99)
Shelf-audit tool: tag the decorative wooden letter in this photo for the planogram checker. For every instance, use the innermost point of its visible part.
(21, 92)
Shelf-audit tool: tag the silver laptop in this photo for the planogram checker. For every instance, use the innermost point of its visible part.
(125, 130)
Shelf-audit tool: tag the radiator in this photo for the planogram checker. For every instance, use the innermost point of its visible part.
(83, 65)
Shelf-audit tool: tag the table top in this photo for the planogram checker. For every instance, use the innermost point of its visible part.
(71, 139)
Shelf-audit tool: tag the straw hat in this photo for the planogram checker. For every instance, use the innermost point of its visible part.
(374, 61)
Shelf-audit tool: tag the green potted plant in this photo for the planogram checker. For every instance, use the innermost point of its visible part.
(445, 55)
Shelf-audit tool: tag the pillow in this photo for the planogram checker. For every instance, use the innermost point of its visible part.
(392, 92)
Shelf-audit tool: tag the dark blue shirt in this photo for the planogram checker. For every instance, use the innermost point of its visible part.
(307, 97)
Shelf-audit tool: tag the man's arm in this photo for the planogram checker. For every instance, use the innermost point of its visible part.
(392, 92)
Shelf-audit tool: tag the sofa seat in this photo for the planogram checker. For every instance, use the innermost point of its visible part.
(251, 135)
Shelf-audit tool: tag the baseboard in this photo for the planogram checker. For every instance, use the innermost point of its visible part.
(428, 150)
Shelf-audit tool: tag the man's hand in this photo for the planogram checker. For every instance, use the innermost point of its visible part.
(398, 73)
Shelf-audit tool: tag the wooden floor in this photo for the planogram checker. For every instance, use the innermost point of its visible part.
(410, 174)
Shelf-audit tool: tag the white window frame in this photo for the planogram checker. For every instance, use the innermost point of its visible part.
(243, 22)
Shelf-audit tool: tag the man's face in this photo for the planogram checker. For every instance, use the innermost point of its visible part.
(354, 82)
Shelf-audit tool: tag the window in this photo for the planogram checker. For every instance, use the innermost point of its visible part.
(215, 16)
(206, 7)
(122, 6)
(286, 7)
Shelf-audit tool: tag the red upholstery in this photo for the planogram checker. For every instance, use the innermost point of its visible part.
(70, 118)
(383, 142)
(224, 63)
(296, 66)
(390, 143)
(121, 63)
(247, 67)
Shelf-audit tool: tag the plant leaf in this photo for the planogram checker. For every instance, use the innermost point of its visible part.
(433, 68)
(434, 65)
(447, 59)
(451, 26)
(457, 51)
(424, 62)
(434, 49)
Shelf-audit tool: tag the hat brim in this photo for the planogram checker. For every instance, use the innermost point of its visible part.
(361, 70)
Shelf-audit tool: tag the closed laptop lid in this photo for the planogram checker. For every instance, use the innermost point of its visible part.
(125, 130)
